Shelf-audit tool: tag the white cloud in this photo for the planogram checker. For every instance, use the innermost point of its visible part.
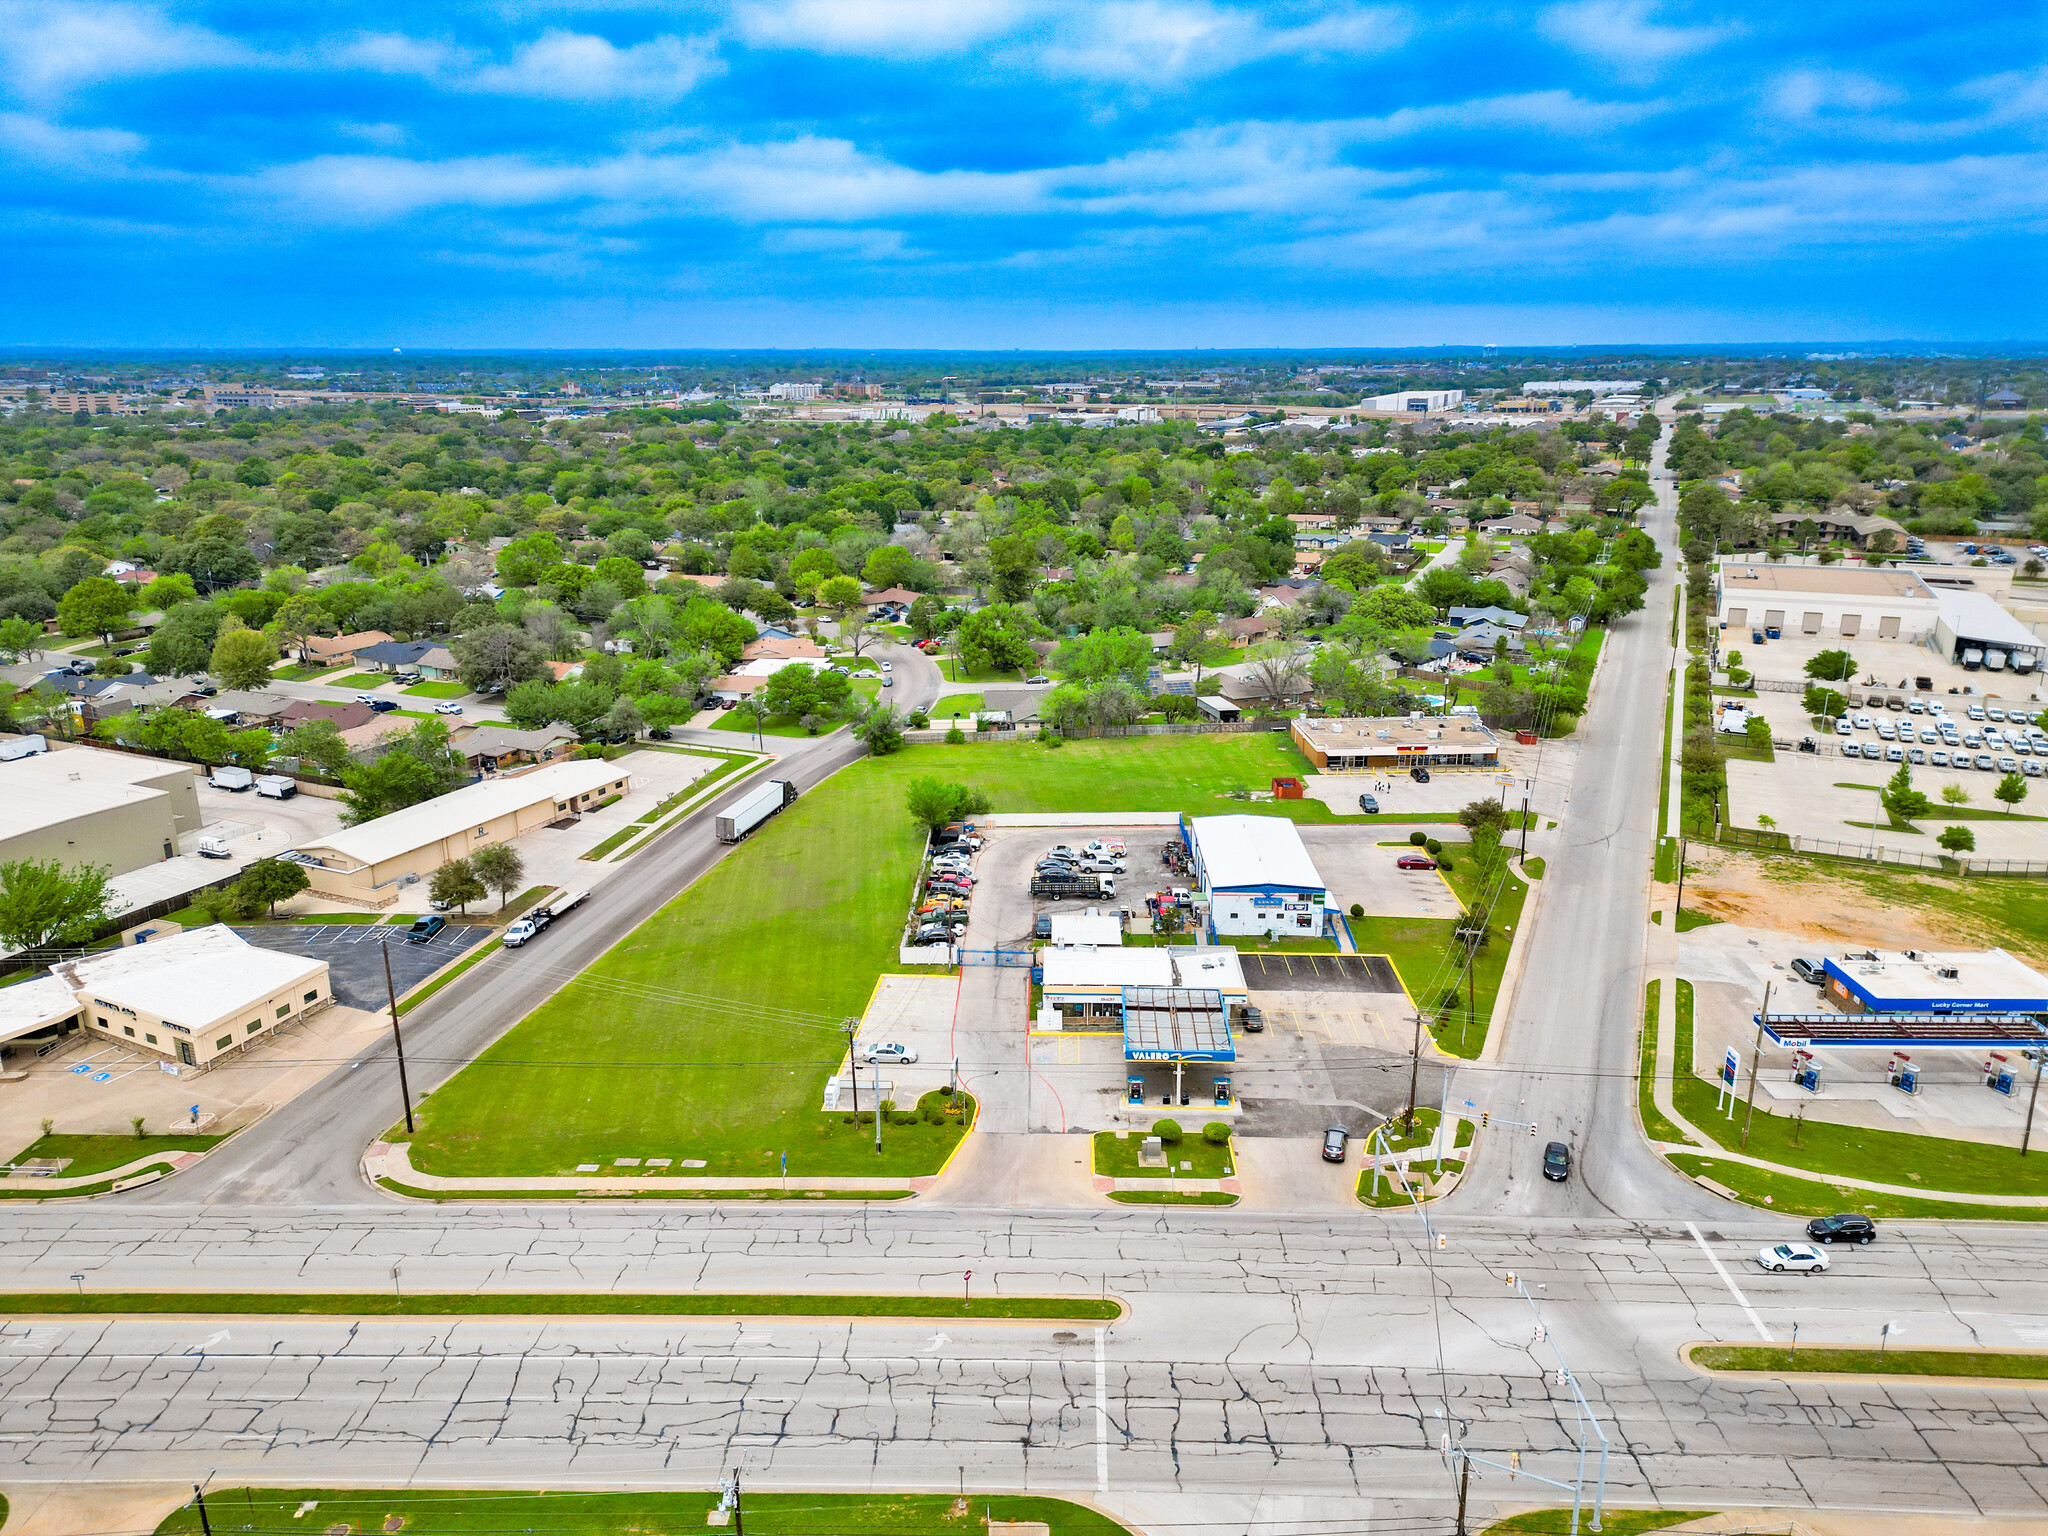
(868, 28)
(1624, 33)
(31, 141)
(1558, 112)
(393, 53)
(48, 48)
(383, 135)
(862, 244)
(576, 66)
(1804, 93)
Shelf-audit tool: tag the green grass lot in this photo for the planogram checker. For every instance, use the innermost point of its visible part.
(360, 680)
(1687, 921)
(1791, 1195)
(669, 1047)
(437, 1512)
(958, 706)
(865, 687)
(301, 672)
(1533, 868)
(1118, 1159)
(1655, 1125)
(1172, 1197)
(1830, 1360)
(1617, 1522)
(102, 1154)
(549, 1304)
(771, 725)
(1421, 949)
(954, 671)
(437, 690)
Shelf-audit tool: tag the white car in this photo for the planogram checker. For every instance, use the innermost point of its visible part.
(449, 708)
(1779, 1257)
(889, 1052)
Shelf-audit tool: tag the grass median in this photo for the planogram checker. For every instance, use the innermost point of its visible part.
(1615, 1522)
(449, 1512)
(1117, 1157)
(1832, 1360)
(549, 1304)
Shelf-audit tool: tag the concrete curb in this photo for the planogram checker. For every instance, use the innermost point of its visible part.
(1865, 1378)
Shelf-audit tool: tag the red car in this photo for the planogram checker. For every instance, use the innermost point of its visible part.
(1415, 861)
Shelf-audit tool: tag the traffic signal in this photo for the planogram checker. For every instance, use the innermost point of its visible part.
(1532, 1127)
(1485, 1118)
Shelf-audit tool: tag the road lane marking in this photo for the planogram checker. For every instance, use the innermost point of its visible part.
(1729, 1281)
(1101, 1416)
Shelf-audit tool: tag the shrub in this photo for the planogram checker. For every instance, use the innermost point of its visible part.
(1445, 862)
(1433, 846)
(954, 736)
(1417, 839)
(907, 1117)
(1168, 1131)
(1358, 909)
(1215, 1133)
(919, 720)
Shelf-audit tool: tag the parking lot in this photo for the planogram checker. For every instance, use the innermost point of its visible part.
(1360, 871)
(354, 953)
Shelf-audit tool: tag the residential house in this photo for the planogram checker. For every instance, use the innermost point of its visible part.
(1161, 641)
(1308, 561)
(891, 605)
(1858, 528)
(250, 707)
(345, 717)
(490, 748)
(397, 655)
(1394, 542)
(735, 687)
(1506, 618)
(1248, 631)
(774, 646)
(1518, 524)
(562, 671)
(438, 665)
(334, 650)
(1011, 706)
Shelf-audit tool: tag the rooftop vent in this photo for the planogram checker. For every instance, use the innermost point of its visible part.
(1946, 972)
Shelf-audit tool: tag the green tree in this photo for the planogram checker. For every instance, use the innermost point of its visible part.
(182, 644)
(457, 884)
(811, 568)
(1120, 654)
(42, 902)
(20, 639)
(1901, 801)
(996, 639)
(1958, 839)
(500, 868)
(242, 658)
(166, 592)
(934, 802)
(879, 729)
(268, 881)
(2012, 789)
(1954, 794)
(1832, 666)
(317, 744)
(497, 657)
(98, 605)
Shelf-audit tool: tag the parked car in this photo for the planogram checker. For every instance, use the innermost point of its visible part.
(1254, 1021)
(1415, 861)
(449, 707)
(1779, 1257)
(890, 1052)
(1041, 678)
(1842, 1229)
(1369, 805)
(1042, 928)
(383, 706)
(1336, 1142)
(366, 698)
(1419, 775)
(1808, 972)
(424, 929)
(935, 933)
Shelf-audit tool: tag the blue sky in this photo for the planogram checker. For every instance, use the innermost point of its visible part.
(1027, 173)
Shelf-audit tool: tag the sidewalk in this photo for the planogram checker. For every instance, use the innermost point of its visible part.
(58, 1186)
(386, 1160)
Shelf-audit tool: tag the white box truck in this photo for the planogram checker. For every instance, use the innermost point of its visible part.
(750, 810)
(276, 786)
(227, 776)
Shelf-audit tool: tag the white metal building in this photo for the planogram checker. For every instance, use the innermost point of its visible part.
(1973, 631)
(1256, 876)
(1831, 600)
(1420, 401)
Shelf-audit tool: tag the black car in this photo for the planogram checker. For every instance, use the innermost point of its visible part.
(1336, 1141)
(382, 706)
(1253, 1022)
(1419, 775)
(1557, 1162)
(1042, 929)
(1369, 805)
(1841, 1229)
(1808, 972)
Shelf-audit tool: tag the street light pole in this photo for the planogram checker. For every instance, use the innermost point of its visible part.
(1756, 1056)
(2040, 1057)
(397, 1039)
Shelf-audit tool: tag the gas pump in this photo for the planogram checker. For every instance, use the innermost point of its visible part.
(1904, 1075)
(1806, 1071)
(1998, 1073)
(1223, 1093)
(1134, 1090)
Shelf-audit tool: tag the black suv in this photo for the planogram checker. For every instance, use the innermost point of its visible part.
(1557, 1162)
(1841, 1229)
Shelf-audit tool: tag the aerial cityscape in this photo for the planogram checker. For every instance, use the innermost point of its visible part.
(1141, 769)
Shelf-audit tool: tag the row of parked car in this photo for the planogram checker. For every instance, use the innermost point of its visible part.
(948, 886)
(2021, 747)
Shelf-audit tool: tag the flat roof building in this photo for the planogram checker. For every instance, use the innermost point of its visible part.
(1836, 601)
(1396, 743)
(1931, 981)
(1256, 876)
(1973, 631)
(361, 864)
(1091, 930)
(1088, 985)
(82, 806)
(191, 998)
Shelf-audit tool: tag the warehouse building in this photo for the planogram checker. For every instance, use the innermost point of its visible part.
(190, 999)
(82, 806)
(1256, 876)
(1973, 631)
(363, 864)
(1418, 401)
(1927, 981)
(1835, 601)
(1396, 743)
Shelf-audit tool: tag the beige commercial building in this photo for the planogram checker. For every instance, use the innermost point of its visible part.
(1844, 601)
(365, 864)
(190, 999)
(83, 806)
(1397, 743)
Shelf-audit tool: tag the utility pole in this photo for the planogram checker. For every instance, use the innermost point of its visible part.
(739, 1519)
(1527, 785)
(853, 1067)
(1414, 1076)
(1464, 1478)
(1755, 1058)
(1680, 906)
(397, 1039)
(199, 1502)
(2040, 1057)
(878, 1107)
